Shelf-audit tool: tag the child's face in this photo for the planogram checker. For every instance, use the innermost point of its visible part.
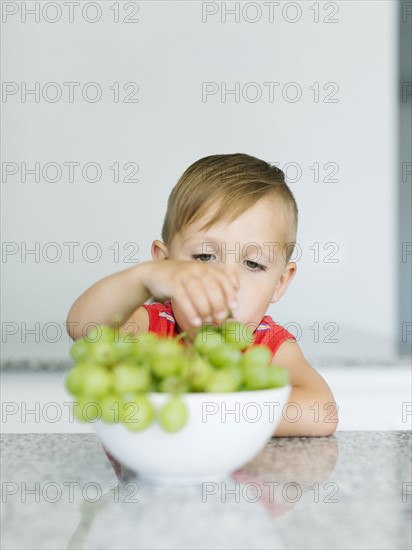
(253, 245)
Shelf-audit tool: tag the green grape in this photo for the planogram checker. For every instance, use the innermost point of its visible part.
(128, 377)
(74, 379)
(278, 376)
(222, 381)
(209, 328)
(166, 358)
(173, 415)
(137, 414)
(146, 342)
(185, 362)
(125, 345)
(111, 404)
(237, 334)
(96, 381)
(255, 376)
(80, 350)
(199, 374)
(114, 373)
(100, 333)
(223, 355)
(205, 342)
(103, 353)
(237, 375)
(154, 385)
(257, 355)
(88, 409)
(173, 384)
(167, 366)
(148, 338)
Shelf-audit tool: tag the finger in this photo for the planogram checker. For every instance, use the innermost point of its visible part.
(216, 295)
(230, 285)
(203, 299)
(188, 309)
(198, 291)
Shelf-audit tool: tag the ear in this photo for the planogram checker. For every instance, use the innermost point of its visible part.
(159, 250)
(284, 281)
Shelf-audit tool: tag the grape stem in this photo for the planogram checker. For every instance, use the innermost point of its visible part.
(187, 332)
(192, 330)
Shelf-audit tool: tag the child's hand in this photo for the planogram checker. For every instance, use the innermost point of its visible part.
(204, 292)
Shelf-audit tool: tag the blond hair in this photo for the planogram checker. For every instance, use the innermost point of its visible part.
(234, 182)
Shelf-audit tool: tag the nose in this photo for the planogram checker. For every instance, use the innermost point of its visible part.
(233, 272)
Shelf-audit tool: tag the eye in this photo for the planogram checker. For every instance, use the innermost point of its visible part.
(202, 257)
(253, 266)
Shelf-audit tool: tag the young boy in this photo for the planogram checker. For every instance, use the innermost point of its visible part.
(228, 236)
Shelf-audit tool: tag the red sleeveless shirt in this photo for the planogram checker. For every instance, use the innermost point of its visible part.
(162, 322)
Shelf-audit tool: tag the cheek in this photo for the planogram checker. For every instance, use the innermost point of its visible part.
(253, 298)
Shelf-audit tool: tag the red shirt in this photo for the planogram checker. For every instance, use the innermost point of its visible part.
(162, 322)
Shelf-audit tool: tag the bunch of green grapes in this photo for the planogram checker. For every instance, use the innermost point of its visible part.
(115, 372)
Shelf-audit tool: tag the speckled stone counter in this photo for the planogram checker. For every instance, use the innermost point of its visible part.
(352, 490)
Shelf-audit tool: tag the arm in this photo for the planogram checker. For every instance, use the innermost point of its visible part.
(111, 300)
(200, 289)
(315, 412)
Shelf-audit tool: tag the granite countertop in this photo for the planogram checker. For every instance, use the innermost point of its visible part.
(351, 490)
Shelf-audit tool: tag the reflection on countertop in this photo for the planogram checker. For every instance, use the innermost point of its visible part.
(348, 490)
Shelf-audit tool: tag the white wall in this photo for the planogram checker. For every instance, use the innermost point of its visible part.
(169, 53)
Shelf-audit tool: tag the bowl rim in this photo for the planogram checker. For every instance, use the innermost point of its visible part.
(223, 393)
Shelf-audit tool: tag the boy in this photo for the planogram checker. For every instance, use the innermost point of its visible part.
(228, 236)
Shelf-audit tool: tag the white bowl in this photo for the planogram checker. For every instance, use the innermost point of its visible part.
(224, 431)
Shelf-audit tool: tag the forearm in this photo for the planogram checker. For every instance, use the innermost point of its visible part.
(308, 414)
(111, 300)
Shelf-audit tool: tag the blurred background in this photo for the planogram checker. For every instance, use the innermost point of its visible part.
(106, 104)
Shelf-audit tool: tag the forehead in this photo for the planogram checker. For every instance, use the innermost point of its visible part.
(263, 222)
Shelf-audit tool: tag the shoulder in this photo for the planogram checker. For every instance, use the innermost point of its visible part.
(154, 317)
(272, 334)
(158, 309)
(138, 322)
(161, 318)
